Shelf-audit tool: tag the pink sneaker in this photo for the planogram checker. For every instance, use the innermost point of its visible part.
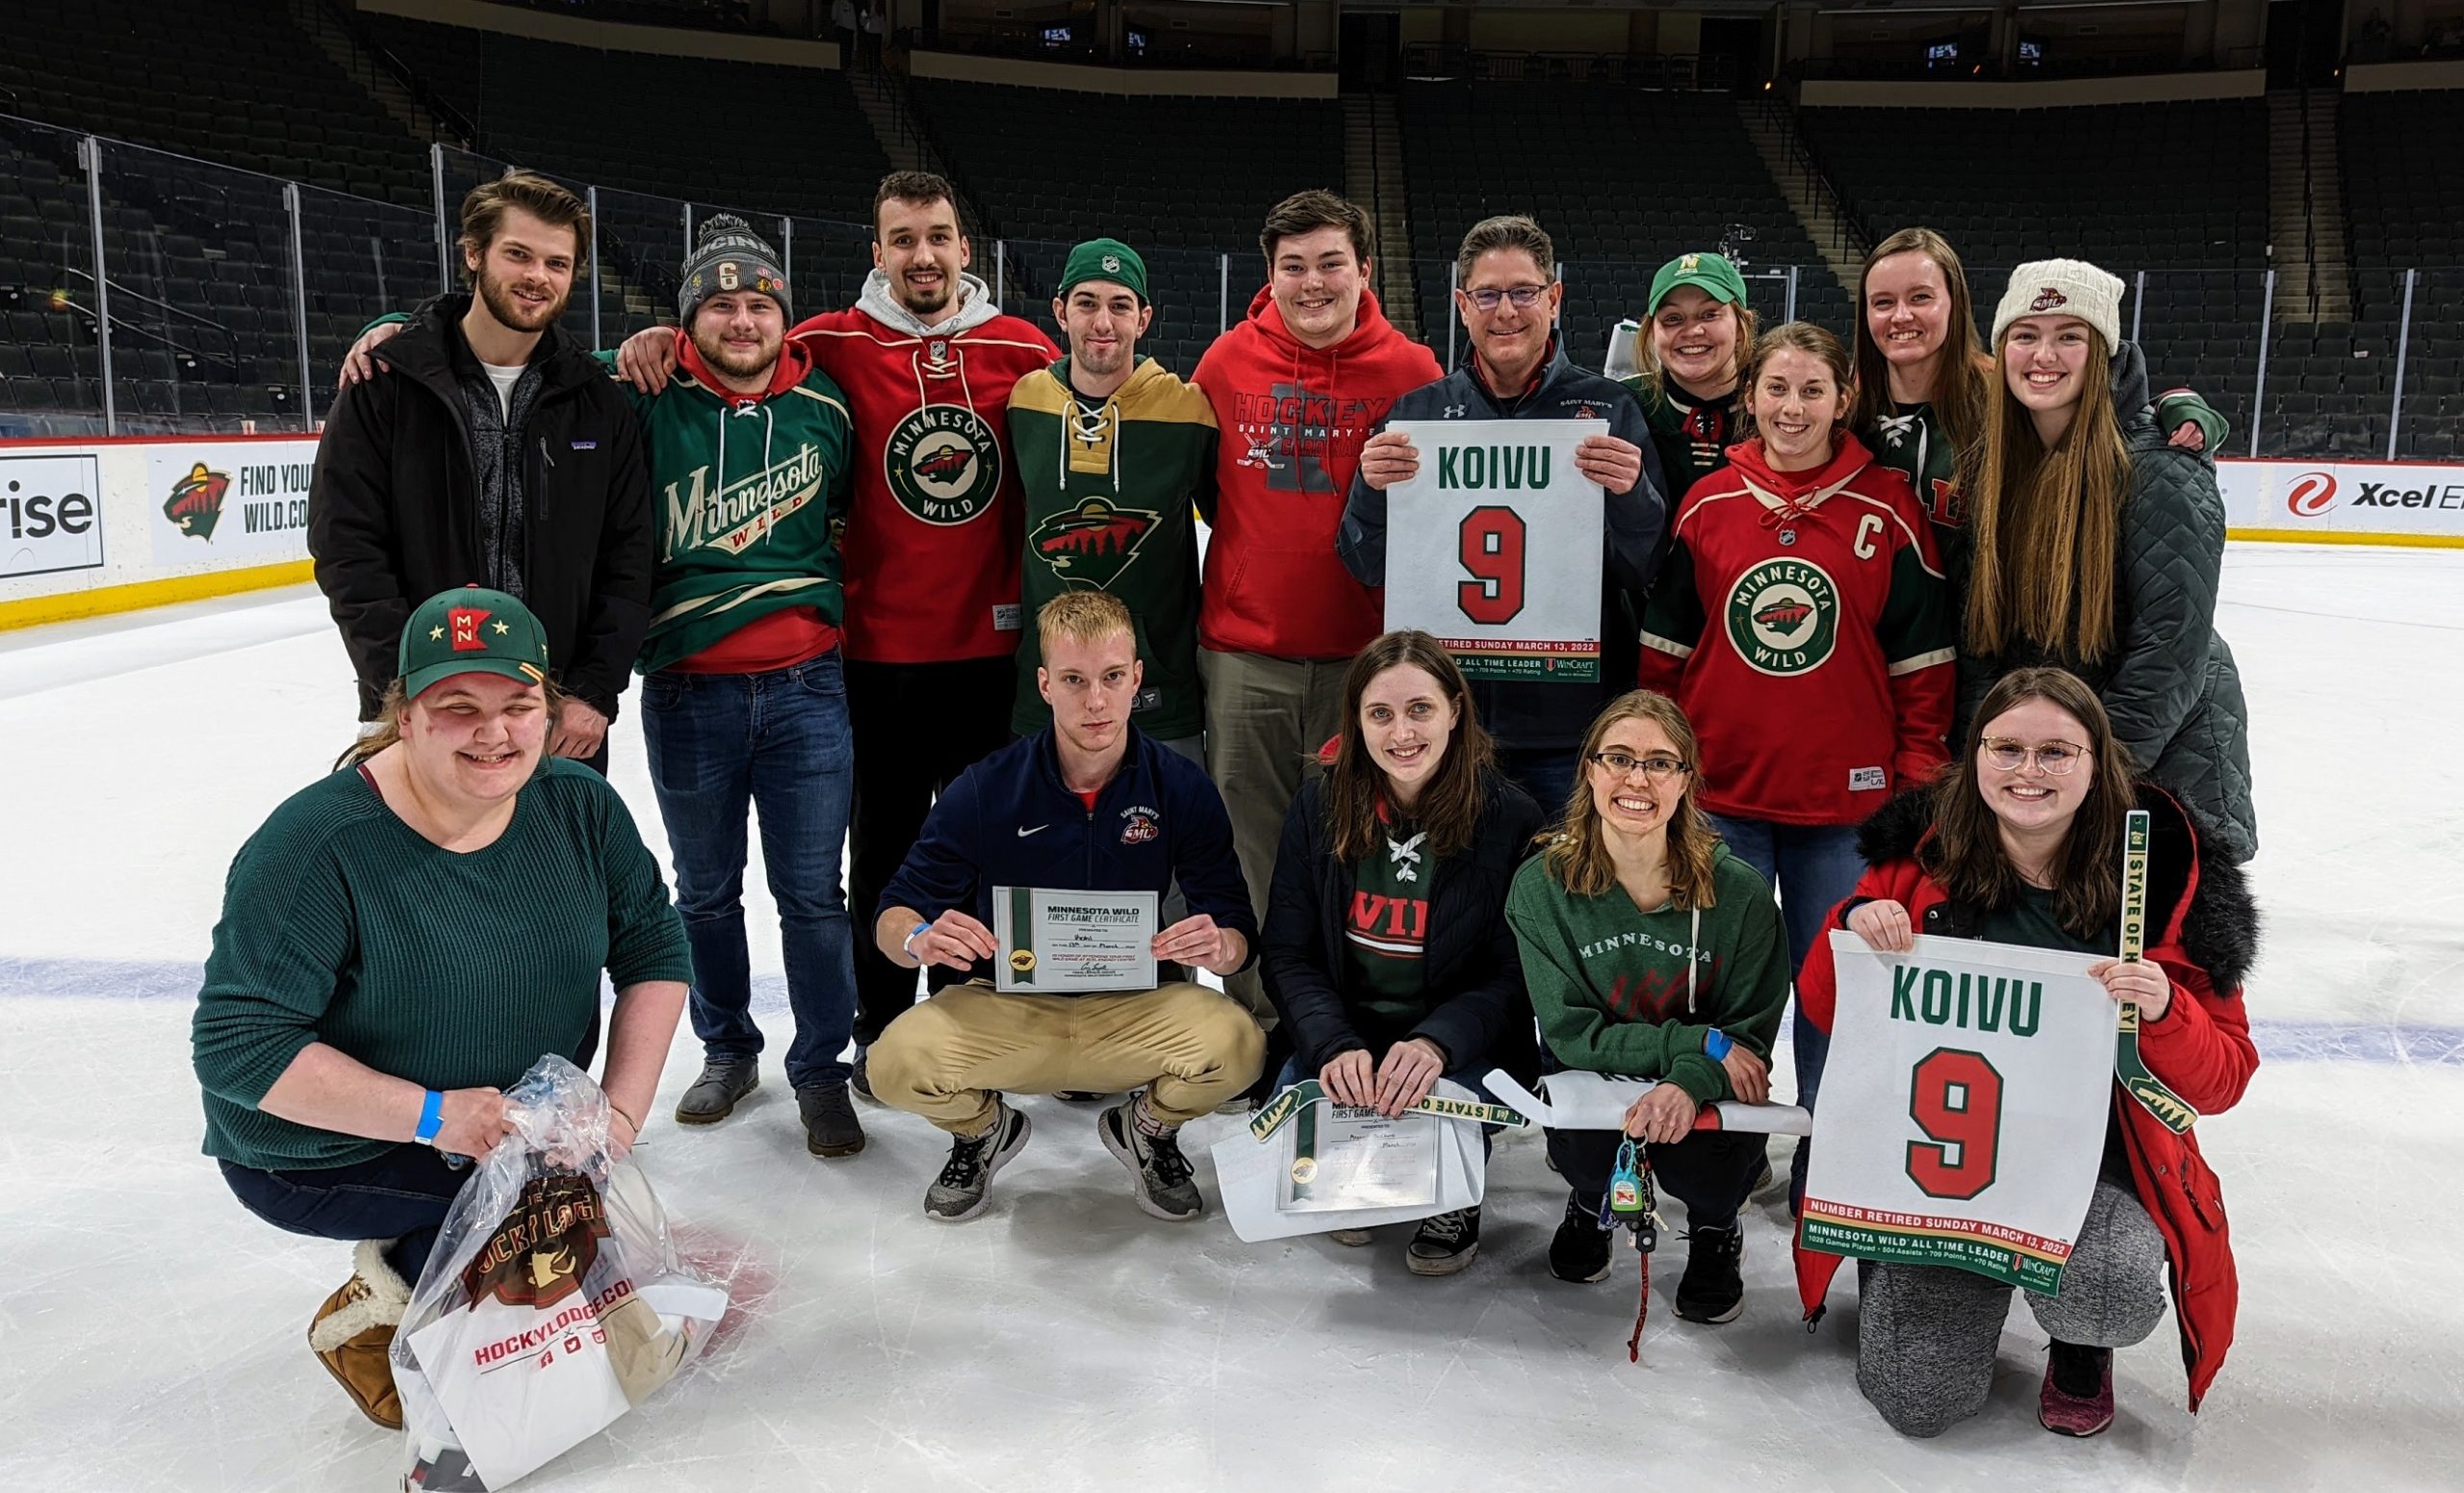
(2078, 1395)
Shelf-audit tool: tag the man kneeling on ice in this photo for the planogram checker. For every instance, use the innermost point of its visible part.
(1087, 803)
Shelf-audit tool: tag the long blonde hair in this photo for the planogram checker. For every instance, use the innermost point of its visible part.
(1577, 851)
(2047, 523)
(1963, 385)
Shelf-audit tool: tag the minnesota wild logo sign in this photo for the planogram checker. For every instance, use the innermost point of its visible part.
(195, 504)
(1093, 543)
(944, 463)
(1783, 617)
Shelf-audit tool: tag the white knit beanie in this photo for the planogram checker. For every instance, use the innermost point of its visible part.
(2063, 286)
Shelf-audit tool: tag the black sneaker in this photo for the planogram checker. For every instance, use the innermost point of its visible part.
(1580, 1250)
(958, 1194)
(714, 1095)
(830, 1126)
(1165, 1186)
(1711, 1290)
(1080, 1095)
(1444, 1244)
(861, 1080)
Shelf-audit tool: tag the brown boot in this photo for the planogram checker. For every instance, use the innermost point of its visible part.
(355, 1328)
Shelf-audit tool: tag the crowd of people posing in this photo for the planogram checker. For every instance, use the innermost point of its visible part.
(909, 578)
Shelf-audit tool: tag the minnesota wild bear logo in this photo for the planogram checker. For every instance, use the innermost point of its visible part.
(944, 463)
(1093, 542)
(1783, 617)
(195, 504)
(546, 1244)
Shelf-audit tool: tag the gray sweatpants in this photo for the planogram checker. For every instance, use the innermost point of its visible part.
(1926, 1334)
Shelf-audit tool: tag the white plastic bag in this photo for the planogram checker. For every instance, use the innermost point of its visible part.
(1252, 1167)
(553, 1304)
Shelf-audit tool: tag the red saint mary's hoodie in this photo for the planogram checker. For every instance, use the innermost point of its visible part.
(934, 528)
(1292, 419)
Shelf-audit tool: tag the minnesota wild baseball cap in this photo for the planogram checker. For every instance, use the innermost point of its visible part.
(1710, 274)
(1104, 259)
(471, 629)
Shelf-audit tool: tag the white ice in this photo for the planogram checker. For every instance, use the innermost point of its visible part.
(151, 1333)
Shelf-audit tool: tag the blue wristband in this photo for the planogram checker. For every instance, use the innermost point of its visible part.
(432, 1118)
(1716, 1043)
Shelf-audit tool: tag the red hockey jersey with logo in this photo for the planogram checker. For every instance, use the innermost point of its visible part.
(1803, 621)
(934, 528)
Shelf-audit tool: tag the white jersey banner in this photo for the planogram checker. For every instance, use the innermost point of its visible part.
(1964, 1108)
(1495, 546)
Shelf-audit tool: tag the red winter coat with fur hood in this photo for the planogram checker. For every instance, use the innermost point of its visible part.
(2203, 928)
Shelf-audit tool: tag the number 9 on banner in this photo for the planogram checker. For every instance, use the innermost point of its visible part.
(1493, 549)
(1955, 1097)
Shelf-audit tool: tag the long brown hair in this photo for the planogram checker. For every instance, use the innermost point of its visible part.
(2045, 524)
(387, 728)
(1449, 800)
(1577, 850)
(1966, 857)
(1962, 384)
(1813, 342)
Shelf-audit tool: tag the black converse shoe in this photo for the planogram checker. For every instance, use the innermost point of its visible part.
(713, 1096)
(1165, 1186)
(1580, 1252)
(958, 1194)
(1711, 1290)
(1080, 1095)
(860, 1079)
(1353, 1237)
(1444, 1244)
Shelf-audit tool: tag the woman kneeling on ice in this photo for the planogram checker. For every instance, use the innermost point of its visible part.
(1386, 947)
(2021, 842)
(400, 942)
(1651, 952)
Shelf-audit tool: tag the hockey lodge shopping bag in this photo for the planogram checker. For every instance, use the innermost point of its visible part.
(553, 1302)
(1964, 1108)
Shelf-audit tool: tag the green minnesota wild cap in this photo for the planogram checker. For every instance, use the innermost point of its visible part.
(1104, 259)
(1709, 274)
(471, 629)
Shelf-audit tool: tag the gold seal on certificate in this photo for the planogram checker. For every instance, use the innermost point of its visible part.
(1056, 943)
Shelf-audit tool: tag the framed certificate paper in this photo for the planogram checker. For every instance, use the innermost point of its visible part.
(1346, 1157)
(1073, 942)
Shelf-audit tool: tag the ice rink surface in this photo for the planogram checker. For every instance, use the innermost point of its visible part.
(152, 1333)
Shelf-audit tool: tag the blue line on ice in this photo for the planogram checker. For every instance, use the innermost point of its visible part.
(2279, 1041)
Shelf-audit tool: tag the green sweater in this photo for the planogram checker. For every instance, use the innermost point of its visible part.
(1608, 981)
(342, 924)
(1111, 507)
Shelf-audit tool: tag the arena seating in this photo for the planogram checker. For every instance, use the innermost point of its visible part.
(2407, 209)
(1624, 180)
(1184, 185)
(2188, 205)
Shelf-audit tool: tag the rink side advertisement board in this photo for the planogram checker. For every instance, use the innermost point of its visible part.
(2344, 501)
(1495, 546)
(51, 511)
(224, 500)
(1964, 1108)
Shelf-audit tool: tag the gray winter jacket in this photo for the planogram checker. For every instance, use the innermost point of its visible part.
(2169, 682)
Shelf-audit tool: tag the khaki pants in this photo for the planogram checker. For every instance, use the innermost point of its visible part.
(950, 1058)
(1266, 718)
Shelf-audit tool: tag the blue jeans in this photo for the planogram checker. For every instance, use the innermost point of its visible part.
(1813, 868)
(1546, 773)
(776, 743)
(402, 1195)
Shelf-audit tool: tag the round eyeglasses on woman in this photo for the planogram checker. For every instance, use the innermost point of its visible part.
(2056, 758)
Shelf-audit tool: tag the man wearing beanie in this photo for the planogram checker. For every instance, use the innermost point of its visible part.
(1112, 453)
(744, 699)
(498, 455)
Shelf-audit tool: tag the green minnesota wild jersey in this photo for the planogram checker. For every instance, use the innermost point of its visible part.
(1110, 488)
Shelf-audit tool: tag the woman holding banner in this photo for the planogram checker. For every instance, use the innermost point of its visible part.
(1385, 947)
(2098, 547)
(1803, 619)
(1652, 952)
(2022, 843)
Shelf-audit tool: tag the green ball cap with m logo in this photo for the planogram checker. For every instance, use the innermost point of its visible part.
(471, 629)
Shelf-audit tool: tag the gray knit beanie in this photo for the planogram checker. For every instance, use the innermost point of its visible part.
(728, 257)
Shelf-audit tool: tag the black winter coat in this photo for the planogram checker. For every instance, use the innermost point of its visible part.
(392, 513)
(2170, 681)
(1482, 1016)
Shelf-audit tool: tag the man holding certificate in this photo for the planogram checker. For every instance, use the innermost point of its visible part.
(1038, 874)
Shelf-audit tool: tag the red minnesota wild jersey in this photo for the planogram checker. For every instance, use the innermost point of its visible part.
(1803, 622)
